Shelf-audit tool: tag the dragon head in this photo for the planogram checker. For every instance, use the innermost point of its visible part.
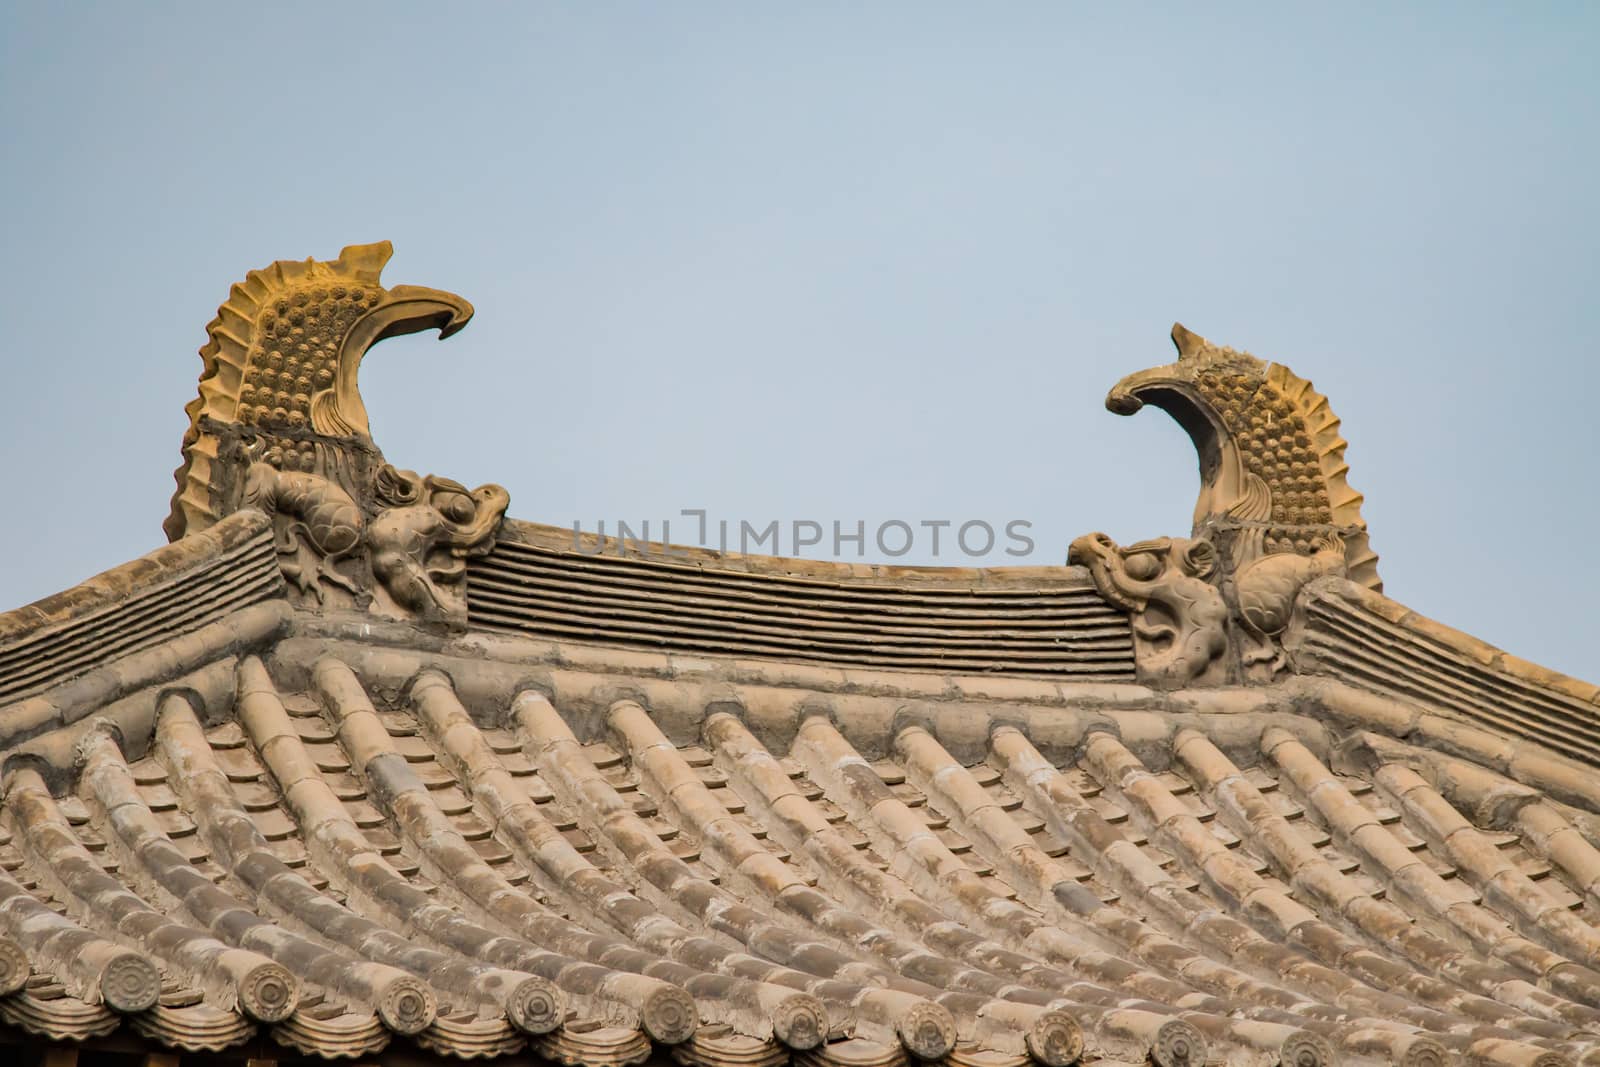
(280, 366)
(1271, 457)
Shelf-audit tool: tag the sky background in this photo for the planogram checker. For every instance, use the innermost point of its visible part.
(835, 262)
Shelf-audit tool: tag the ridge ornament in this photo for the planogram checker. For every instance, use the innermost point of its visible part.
(1274, 514)
(279, 425)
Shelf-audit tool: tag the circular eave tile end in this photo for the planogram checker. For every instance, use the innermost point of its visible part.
(669, 1016)
(407, 1006)
(268, 993)
(927, 1031)
(130, 984)
(1179, 1045)
(536, 1006)
(801, 1022)
(1055, 1039)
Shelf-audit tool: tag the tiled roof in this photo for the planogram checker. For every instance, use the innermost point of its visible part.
(358, 769)
(344, 834)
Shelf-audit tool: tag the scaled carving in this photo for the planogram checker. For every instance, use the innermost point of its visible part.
(1180, 621)
(279, 425)
(1272, 470)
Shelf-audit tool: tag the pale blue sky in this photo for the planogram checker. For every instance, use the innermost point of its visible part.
(835, 261)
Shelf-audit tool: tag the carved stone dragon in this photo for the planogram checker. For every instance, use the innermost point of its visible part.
(279, 425)
(1180, 623)
(1274, 513)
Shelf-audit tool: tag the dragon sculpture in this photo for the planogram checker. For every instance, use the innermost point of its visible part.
(279, 425)
(1180, 622)
(1274, 512)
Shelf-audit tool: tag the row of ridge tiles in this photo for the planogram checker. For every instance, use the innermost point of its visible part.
(340, 873)
(1061, 629)
(173, 591)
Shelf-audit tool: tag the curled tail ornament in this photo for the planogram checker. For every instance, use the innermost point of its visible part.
(280, 365)
(1272, 466)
